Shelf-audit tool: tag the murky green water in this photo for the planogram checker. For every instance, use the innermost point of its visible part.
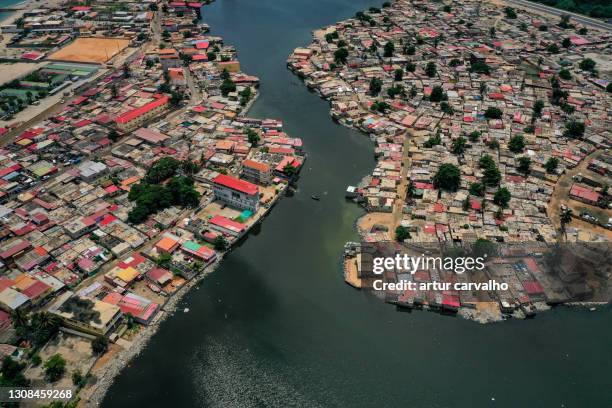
(276, 326)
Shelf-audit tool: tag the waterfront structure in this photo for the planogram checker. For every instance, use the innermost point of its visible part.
(257, 172)
(235, 192)
(107, 316)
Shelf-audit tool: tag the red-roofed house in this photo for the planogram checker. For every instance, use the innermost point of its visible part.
(584, 194)
(225, 225)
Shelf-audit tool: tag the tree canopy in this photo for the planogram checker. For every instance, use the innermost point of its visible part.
(448, 177)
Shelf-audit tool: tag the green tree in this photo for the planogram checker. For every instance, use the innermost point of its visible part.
(55, 367)
(446, 108)
(516, 143)
(565, 217)
(524, 164)
(399, 75)
(537, 108)
(551, 164)
(574, 129)
(227, 86)
(220, 243)
(502, 197)
(437, 94)
(474, 136)
(389, 49)
(448, 177)
(430, 69)
(486, 162)
(434, 140)
(491, 176)
(402, 234)
(480, 67)
(176, 98)
(12, 373)
(252, 136)
(341, 55)
(566, 43)
(565, 74)
(375, 86)
(477, 189)
(164, 260)
(510, 13)
(113, 135)
(493, 112)
(458, 146)
(99, 345)
(454, 63)
(553, 48)
(587, 64)
(77, 378)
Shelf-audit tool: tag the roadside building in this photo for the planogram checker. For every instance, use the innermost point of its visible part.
(135, 118)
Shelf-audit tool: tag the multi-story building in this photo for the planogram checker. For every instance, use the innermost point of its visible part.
(257, 172)
(236, 193)
(135, 118)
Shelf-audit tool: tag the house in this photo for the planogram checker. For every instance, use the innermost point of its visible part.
(159, 276)
(121, 277)
(201, 252)
(91, 170)
(257, 172)
(143, 310)
(11, 299)
(84, 315)
(227, 226)
(584, 194)
(236, 193)
(167, 244)
(135, 118)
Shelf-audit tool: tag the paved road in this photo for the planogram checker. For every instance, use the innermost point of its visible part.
(587, 21)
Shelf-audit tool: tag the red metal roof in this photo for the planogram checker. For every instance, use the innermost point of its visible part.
(236, 184)
(584, 193)
(226, 223)
(134, 113)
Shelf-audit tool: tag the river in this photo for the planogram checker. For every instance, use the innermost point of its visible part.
(276, 326)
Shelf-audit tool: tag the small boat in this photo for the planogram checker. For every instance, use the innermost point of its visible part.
(315, 197)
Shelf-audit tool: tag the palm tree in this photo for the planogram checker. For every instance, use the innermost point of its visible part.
(565, 217)
(20, 317)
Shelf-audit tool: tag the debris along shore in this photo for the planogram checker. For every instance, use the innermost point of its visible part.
(137, 172)
(481, 117)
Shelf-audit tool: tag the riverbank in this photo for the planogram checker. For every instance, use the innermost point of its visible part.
(230, 171)
(425, 102)
(92, 395)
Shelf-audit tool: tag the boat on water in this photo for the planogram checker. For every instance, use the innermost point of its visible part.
(315, 197)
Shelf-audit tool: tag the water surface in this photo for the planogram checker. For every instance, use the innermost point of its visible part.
(276, 326)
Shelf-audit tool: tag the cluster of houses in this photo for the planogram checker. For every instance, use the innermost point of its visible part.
(51, 26)
(436, 84)
(67, 245)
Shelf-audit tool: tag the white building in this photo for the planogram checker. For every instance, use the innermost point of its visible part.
(236, 193)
